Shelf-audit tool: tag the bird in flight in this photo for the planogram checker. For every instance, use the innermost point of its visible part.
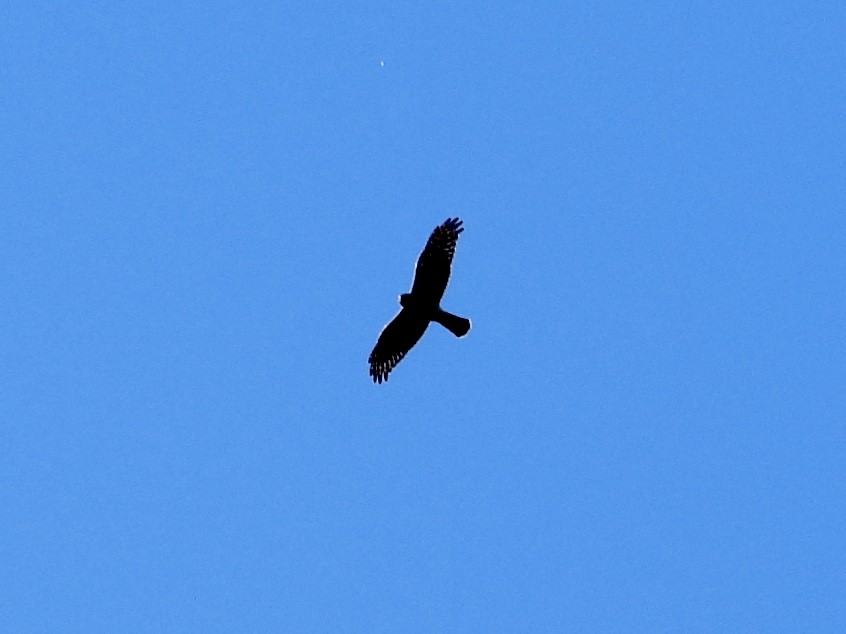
(422, 304)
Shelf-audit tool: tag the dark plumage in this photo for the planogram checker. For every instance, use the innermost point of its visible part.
(422, 304)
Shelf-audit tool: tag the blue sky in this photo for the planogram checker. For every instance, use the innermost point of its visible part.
(209, 210)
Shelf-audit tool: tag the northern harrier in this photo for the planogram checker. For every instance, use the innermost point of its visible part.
(422, 304)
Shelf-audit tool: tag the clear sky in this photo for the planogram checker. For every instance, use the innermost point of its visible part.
(209, 210)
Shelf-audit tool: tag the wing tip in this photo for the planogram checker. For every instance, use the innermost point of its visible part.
(379, 372)
(454, 224)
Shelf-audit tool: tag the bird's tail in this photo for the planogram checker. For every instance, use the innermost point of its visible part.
(455, 324)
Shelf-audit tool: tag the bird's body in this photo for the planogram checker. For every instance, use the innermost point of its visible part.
(422, 304)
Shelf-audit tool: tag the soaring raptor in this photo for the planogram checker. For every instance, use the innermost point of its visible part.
(422, 304)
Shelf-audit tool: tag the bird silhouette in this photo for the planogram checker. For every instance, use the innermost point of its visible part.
(422, 305)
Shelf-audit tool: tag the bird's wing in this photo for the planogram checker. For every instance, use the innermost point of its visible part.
(396, 339)
(433, 265)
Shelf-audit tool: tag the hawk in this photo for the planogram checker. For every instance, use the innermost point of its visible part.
(422, 304)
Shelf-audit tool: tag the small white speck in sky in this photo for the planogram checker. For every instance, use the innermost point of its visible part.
(381, 62)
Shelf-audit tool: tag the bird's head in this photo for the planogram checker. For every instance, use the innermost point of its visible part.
(405, 300)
